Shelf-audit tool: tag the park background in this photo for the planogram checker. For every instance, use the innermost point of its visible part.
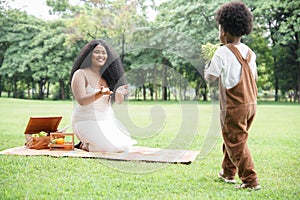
(36, 55)
(164, 66)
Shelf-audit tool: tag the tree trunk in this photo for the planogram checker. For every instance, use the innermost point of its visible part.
(41, 91)
(298, 81)
(1, 86)
(184, 93)
(48, 89)
(123, 46)
(164, 80)
(136, 94)
(164, 93)
(33, 89)
(62, 89)
(197, 89)
(276, 88)
(175, 93)
(205, 93)
(144, 93)
(28, 90)
(15, 87)
(151, 85)
(154, 83)
(276, 78)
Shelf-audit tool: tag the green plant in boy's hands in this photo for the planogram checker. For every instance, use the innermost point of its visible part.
(208, 50)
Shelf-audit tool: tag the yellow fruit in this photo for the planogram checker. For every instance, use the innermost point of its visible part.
(60, 141)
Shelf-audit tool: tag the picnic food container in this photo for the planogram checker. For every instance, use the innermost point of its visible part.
(47, 125)
(61, 141)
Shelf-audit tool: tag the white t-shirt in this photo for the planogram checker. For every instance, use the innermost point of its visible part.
(225, 64)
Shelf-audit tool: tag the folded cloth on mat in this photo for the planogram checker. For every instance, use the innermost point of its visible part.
(136, 153)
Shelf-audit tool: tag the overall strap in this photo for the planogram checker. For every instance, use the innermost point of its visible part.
(248, 57)
(246, 84)
(238, 54)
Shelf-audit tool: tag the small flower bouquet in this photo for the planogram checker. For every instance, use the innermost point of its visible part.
(208, 50)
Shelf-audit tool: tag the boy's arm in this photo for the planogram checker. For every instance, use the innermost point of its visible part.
(208, 77)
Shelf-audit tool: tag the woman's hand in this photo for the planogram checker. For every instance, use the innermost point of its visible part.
(105, 91)
(123, 90)
(120, 93)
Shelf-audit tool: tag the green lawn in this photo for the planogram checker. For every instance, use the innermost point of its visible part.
(274, 143)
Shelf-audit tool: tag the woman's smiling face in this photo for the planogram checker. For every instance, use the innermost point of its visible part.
(99, 56)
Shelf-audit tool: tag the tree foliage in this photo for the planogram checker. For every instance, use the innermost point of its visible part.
(279, 22)
(162, 58)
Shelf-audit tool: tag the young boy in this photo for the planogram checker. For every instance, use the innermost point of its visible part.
(235, 66)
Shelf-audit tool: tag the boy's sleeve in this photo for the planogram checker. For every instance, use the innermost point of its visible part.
(214, 66)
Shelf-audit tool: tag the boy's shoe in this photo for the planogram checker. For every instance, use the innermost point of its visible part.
(254, 186)
(225, 178)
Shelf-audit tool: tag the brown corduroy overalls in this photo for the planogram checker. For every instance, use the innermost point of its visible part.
(238, 108)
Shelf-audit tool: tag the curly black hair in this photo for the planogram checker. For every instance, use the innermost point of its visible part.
(235, 18)
(112, 72)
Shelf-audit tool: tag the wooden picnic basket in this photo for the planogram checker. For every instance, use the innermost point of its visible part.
(35, 126)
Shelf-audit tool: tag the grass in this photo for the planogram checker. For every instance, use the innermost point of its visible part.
(274, 143)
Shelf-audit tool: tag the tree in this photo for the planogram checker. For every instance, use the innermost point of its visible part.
(161, 57)
(281, 20)
(189, 24)
(264, 60)
(18, 30)
(50, 53)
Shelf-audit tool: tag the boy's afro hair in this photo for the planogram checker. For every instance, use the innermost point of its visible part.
(235, 18)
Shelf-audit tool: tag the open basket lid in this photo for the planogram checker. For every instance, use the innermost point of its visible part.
(38, 124)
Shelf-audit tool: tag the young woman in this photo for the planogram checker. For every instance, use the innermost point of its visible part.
(97, 79)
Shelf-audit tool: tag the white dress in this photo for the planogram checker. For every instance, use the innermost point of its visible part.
(96, 126)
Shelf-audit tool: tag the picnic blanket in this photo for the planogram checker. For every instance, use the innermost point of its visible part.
(137, 153)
